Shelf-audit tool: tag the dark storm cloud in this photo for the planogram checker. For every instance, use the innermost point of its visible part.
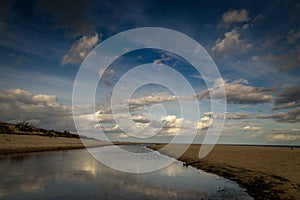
(238, 92)
(201, 95)
(290, 116)
(287, 105)
(287, 60)
(289, 94)
(74, 16)
(238, 115)
(5, 6)
(289, 98)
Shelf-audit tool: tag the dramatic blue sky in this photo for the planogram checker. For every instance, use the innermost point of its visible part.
(255, 44)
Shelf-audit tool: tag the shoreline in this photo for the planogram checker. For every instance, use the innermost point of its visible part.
(18, 143)
(41, 149)
(12, 143)
(265, 172)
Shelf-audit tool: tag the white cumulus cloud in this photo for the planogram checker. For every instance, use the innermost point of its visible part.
(41, 109)
(235, 16)
(282, 137)
(230, 44)
(80, 49)
(251, 128)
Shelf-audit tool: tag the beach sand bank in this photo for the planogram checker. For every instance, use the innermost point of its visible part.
(266, 172)
(10, 143)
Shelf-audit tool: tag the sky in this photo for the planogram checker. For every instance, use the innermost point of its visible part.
(254, 44)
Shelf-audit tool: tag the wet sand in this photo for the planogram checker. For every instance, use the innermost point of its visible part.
(266, 172)
(10, 143)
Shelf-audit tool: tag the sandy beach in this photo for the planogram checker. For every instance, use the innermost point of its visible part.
(10, 143)
(266, 172)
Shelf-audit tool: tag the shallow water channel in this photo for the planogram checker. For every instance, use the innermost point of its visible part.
(75, 174)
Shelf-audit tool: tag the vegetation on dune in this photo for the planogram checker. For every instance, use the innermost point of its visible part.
(24, 128)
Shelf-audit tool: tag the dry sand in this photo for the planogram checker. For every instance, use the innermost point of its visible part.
(10, 143)
(266, 172)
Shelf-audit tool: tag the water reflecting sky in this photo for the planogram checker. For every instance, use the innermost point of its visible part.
(74, 174)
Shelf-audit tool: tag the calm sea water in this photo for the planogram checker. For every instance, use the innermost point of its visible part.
(75, 174)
